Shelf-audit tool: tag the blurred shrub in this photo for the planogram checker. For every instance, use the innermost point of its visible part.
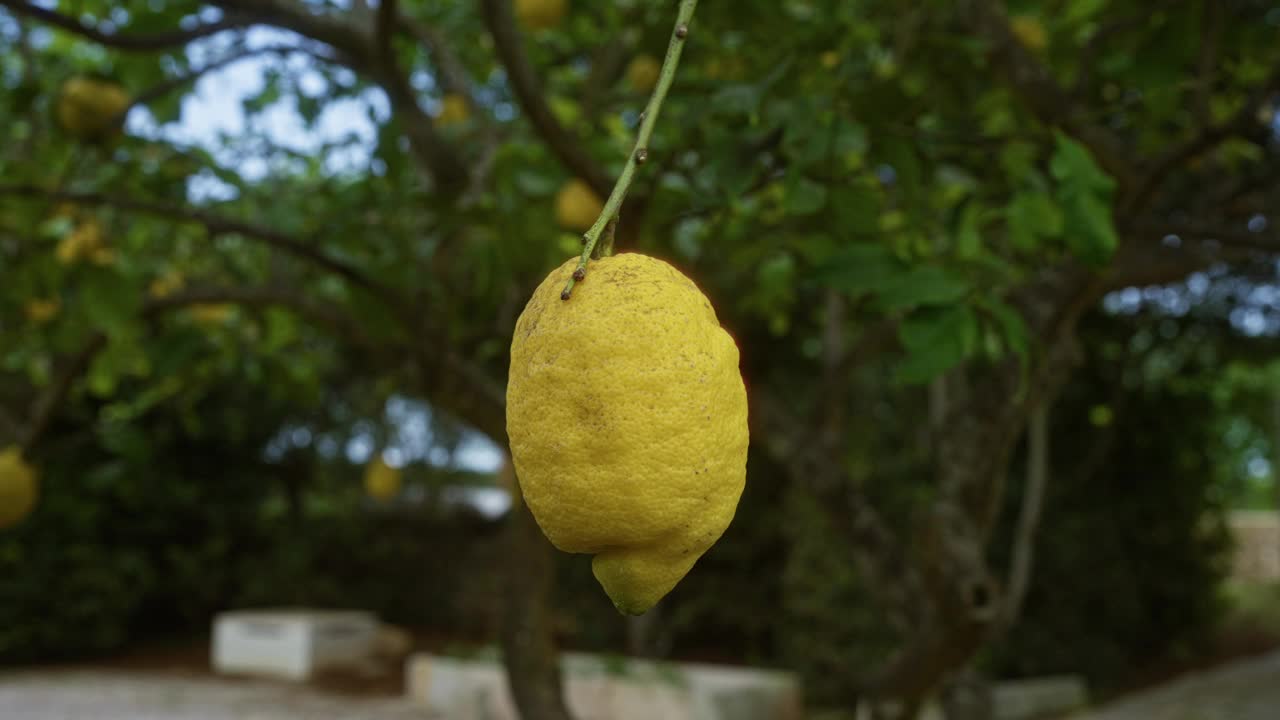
(1133, 545)
(147, 527)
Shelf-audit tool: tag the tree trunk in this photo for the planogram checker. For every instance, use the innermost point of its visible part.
(528, 642)
(1275, 449)
(641, 633)
(1029, 517)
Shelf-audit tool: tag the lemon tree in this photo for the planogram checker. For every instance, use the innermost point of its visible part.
(898, 214)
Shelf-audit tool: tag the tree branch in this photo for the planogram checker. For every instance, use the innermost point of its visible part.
(434, 155)
(298, 17)
(877, 550)
(1213, 18)
(1206, 139)
(219, 225)
(341, 325)
(385, 27)
(529, 93)
(1194, 232)
(1093, 47)
(453, 75)
(1028, 515)
(48, 402)
(130, 42)
(372, 54)
(164, 88)
(1034, 84)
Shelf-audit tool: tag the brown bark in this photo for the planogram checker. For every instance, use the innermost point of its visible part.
(528, 643)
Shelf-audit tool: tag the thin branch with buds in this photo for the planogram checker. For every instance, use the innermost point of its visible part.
(640, 154)
(130, 42)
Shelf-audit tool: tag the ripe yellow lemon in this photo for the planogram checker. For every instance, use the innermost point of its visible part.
(211, 314)
(643, 72)
(42, 310)
(454, 110)
(84, 242)
(577, 206)
(90, 109)
(18, 487)
(541, 14)
(627, 417)
(1030, 32)
(166, 284)
(381, 481)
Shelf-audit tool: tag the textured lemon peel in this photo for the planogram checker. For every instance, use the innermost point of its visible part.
(627, 419)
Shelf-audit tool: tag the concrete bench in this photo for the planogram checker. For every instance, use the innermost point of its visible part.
(610, 688)
(292, 644)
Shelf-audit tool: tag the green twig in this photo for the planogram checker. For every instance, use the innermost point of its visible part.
(608, 218)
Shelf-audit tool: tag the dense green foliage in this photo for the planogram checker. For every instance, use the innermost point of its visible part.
(1133, 520)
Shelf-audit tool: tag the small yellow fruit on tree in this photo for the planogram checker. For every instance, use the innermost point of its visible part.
(103, 256)
(577, 206)
(830, 59)
(725, 68)
(18, 487)
(210, 314)
(627, 417)
(90, 109)
(84, 242)
(541, 14)
(1030, 32)
(42, 310)
(381, 481)
(454, 110)
(166, 284)
(643, 72)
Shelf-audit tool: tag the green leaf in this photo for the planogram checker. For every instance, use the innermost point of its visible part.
(1073, 165)
(738, 99)
(859, 268)
(804, 196)
(1032, 216)
(1013, 329)
(968, 241)
(110, 302)
(1090, 232)
(851, 139)
(856, 209)
(922, 285)
(936, 340)
(805, 139)
(1084, 193)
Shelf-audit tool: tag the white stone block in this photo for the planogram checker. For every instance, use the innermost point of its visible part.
(1034, 698)
(610, 688)
(292, 644)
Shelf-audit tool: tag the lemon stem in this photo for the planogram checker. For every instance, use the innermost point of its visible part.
(609, 216)
(606, 241)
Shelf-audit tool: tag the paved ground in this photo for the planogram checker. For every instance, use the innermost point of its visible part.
(1245, 690)
(108, 695)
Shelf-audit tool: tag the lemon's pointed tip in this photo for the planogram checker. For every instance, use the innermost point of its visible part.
(631, 610)
(631, 606)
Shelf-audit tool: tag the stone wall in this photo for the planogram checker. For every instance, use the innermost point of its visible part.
(1257, 553)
